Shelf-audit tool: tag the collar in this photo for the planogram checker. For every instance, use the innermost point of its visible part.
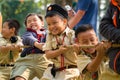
(115, 3)
(92, 56)
(65, 32)
(31, 30)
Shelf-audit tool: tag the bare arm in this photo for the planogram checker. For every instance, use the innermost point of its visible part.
(76, 18)
(101, 50)
(8, 48)
(94, 65)
(55, 53)
(38, 45)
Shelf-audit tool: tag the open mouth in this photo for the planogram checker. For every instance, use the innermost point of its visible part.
(34, 27)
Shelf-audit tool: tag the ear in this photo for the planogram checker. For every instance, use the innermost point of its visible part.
(76, 40)
(65, 21)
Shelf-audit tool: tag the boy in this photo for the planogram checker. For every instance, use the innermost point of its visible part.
(109, 28)
(33, 61)
(9, 47)
(90, 58)
(59, 36)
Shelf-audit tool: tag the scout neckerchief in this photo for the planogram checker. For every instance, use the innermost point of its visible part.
(38, 35)
(13, 40)
(60, 42)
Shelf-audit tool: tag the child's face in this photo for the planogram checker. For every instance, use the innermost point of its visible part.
(6, 32)
(56, 24)
(34, 22)
(88, 38)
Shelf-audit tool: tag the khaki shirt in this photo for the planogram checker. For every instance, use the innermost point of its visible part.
(82, 62)
(5, 57)
(70, 56)
(104, 72)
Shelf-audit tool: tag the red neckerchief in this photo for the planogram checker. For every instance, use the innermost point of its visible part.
(38, 35)
(62, 57)
(115, 13)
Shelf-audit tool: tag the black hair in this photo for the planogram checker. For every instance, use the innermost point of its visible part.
(32, 14)
(83, 28)
(12, 23)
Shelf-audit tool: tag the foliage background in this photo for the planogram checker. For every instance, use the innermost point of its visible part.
(18, 9)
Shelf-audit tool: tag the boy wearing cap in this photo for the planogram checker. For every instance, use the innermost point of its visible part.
(64, 65)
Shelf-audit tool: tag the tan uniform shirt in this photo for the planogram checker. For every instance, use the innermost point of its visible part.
(5, 57)
(82, 62)
(104, 72)
(70, 57)
(51, 44)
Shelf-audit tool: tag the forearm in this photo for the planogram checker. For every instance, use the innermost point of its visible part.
(74, 20)
(94, 65)
(38, 45)
(52, 54)
(8, 48)
(4, 49)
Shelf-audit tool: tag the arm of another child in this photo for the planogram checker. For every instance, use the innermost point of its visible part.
(38, 45)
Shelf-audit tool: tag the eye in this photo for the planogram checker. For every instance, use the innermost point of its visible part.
(92, 39)
(48, 24)
(28, 21)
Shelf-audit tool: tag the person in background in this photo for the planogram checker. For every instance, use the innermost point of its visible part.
(109, 28)
(32, 62)
(86, 14)
(10, 47)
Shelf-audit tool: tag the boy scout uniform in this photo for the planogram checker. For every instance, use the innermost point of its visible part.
(32, 62)
(104, 72)
(70, 57)
(7, 59)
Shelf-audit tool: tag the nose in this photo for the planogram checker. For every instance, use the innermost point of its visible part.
(90, 43)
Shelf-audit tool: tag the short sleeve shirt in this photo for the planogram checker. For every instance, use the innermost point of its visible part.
(91, 10)
(104, 72)
(51, 44)
(83, 60)
(5, 57)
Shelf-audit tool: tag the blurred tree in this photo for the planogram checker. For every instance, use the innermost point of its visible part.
(18, 10)
(64, 2)
(1, 2)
